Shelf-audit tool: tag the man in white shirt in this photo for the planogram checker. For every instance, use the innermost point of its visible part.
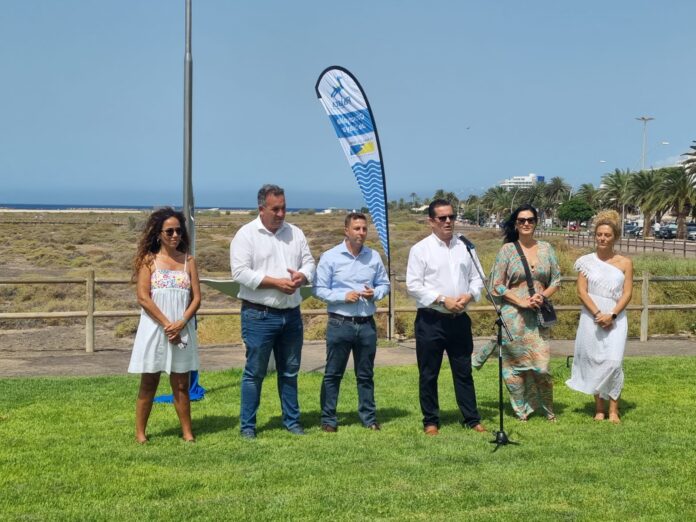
(442, 279)
(270, 259)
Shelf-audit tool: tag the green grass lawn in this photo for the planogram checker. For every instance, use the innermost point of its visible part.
(67, 452)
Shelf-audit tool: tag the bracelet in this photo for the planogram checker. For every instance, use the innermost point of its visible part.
(597, 313)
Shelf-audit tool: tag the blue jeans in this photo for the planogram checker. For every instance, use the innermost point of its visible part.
(279, 331)
(342, 337)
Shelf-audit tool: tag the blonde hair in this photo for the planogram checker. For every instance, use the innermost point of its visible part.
(610, 218)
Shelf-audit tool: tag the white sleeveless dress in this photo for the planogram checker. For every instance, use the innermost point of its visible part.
(599, 353)
(152, 351)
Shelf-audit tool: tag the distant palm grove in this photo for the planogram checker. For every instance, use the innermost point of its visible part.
(654, 193)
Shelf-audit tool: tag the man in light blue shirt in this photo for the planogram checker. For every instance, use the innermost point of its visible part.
(350, 278)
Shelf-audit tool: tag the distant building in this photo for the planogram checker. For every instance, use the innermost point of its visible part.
(521, 181)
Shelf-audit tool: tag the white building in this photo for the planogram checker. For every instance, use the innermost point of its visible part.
(521, 181)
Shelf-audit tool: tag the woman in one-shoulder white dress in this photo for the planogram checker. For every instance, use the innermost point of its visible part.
(169, 294)
(605, 283)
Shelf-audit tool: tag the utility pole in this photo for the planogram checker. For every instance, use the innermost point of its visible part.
(188, 182)
(645, 120)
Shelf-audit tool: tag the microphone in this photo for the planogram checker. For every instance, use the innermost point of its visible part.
(469, 244)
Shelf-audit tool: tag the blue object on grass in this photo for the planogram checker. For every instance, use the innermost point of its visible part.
(196, 391)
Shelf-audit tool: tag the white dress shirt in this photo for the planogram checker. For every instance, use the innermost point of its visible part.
(436, 269)
(256, 252)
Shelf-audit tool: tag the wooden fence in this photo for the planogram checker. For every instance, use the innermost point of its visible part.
(90, 314)
(680, 247)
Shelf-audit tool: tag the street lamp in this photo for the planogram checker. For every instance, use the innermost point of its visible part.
(512, 201)
(645, 120)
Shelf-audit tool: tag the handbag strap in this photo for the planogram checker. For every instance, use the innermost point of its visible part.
(527, 273)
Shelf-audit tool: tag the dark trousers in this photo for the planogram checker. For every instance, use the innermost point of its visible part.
(342, 337)
(436, 333)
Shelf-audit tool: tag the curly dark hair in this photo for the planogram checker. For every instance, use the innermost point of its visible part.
(510, 234)
(149, 243)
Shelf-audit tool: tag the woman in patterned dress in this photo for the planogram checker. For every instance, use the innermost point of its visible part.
(526, 357)
(169, 293)
(605, 285)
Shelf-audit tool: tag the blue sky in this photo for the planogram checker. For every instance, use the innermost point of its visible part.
(464, 94)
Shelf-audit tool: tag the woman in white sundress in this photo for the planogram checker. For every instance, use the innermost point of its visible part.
(169, 293)
(605, 284)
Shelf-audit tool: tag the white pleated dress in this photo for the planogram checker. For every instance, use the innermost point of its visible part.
(599, 353)
(152, 351)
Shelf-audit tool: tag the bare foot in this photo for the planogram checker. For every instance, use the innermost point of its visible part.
(614, 419)
(551, 418)
(141, 439)
(599, 416)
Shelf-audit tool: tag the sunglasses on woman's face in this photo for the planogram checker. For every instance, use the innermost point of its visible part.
(522, 221)
(169, 232)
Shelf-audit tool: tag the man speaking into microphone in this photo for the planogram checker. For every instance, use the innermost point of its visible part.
(443, 280)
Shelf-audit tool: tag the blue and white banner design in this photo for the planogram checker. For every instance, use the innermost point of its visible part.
(349, 111)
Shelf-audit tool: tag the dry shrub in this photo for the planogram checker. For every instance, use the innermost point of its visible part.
(315, 327)
(126, 327)
(219, 330)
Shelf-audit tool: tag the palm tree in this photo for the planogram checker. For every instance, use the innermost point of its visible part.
(449, 196)
(690, 161)
(614, 191)
(678, 191)
(643, 193)
(534, 195)
(589, 193)
(556, 192)
(497, 200)
(414, 198)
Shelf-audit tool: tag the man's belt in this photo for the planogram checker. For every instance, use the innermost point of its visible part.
(264, 308)
(437, 313)
(355, 319)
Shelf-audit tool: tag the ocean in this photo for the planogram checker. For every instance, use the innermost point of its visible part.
(44, 206)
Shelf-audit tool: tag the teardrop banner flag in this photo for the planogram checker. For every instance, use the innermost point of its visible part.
(351, 116)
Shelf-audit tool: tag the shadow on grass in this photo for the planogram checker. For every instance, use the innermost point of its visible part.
(313, 418)
(205, 425)
(588, 408)
(215, 389)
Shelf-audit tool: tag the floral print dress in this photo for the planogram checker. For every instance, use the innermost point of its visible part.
(152, 351)
(526, 357)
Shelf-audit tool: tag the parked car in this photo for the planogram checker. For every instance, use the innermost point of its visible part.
(691, 231)
(668, 231)
(636, 232)
(629, 229)
(628, 225)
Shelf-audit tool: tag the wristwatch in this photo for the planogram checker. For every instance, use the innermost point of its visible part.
(613, 317)
(441, 300)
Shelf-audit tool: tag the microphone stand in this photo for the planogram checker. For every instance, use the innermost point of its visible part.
(501, 438)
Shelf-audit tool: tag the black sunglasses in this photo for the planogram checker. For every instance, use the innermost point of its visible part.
(170, 231)
(522, 221)
(442, 219)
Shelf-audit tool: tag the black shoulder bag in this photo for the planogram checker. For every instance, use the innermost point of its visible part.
(546, 315)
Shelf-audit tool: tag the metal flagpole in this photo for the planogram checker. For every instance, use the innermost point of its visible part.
(188, 183)
(196, 391)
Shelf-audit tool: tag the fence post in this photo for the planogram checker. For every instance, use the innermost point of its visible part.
(89, 322)
(644, 301)
(392, 305)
